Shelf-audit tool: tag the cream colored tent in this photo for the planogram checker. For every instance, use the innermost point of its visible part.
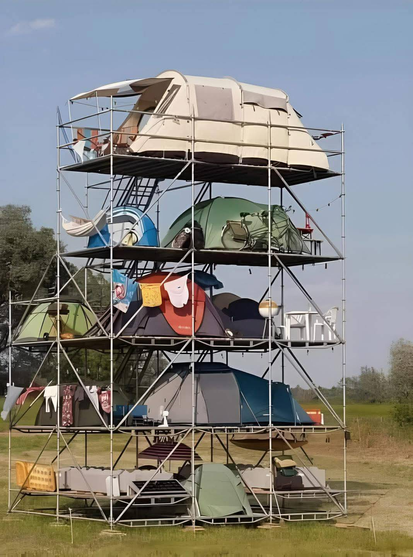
(231, 121)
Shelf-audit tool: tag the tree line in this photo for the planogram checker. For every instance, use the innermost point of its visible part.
(374, 386)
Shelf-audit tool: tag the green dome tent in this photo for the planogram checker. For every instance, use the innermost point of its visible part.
(219, 491)
(75, 319)
(212, 216)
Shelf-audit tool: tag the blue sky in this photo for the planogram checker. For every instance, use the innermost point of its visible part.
(339, 62)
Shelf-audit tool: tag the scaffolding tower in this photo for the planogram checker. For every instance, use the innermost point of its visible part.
(118, 178)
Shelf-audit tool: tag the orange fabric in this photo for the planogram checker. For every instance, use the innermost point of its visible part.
(180, 319)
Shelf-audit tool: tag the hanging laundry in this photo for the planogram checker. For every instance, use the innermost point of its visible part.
(178, 291)
(10, 400)
(206, 280)
(151, 295)
(104, 399)
(93, 393)
(27, 392)
(67, 406)
(51, 394)
(79, 394)
(124, 291)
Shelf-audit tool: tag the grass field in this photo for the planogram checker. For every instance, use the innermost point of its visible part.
(380, 483)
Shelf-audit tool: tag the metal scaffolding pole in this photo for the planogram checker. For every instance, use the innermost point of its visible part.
(193, 394)
(111, 336)
(9, 384)
(270, 316)
(58, 234)
(343, 308)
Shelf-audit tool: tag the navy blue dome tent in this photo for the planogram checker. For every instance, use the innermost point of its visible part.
(224, 396)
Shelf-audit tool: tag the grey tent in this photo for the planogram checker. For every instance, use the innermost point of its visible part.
(219, 492)
(224, 396)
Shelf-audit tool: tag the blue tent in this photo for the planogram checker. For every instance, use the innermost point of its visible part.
(130, 227)
(224, 396)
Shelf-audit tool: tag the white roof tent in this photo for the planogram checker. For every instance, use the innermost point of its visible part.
(231, 122)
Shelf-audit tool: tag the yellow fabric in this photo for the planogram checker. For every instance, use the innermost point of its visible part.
(151, 295)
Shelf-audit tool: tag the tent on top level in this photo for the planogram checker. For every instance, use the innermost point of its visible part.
(219, 107)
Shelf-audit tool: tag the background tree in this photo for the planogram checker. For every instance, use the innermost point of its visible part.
(401, 381)
(370, 386)
(25, 253)
(401, 370)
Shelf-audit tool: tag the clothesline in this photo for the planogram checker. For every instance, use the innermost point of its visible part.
(327, 204)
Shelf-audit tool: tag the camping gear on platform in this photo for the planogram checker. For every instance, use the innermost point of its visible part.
(131, 227)
(124, 291)
(166, 320)
(151, 294)
(183, 240)
(41, 322)
(205, 280)
(230, 122)
(219, 491)
(223, 299)
(213, 214)
(178, 292)
(80, 227)
(86, 409)
(12, 395)
(224, 396)
(260, 442)
(35, 477)
(312, 477)
(161, 450)
(256, 477)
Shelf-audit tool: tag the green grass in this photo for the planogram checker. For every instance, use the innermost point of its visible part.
(37, 536)
(354, 410)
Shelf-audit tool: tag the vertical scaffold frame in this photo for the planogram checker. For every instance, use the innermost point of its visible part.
(113, 509)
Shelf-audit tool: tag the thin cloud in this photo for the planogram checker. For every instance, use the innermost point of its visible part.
(26, 27)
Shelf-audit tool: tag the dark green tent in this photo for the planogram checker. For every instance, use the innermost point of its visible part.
(212, 216)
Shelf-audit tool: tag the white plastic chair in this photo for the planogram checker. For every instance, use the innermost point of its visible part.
(331, 317)
(297, 320)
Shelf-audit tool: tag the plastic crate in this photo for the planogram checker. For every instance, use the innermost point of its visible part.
(42, 477)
